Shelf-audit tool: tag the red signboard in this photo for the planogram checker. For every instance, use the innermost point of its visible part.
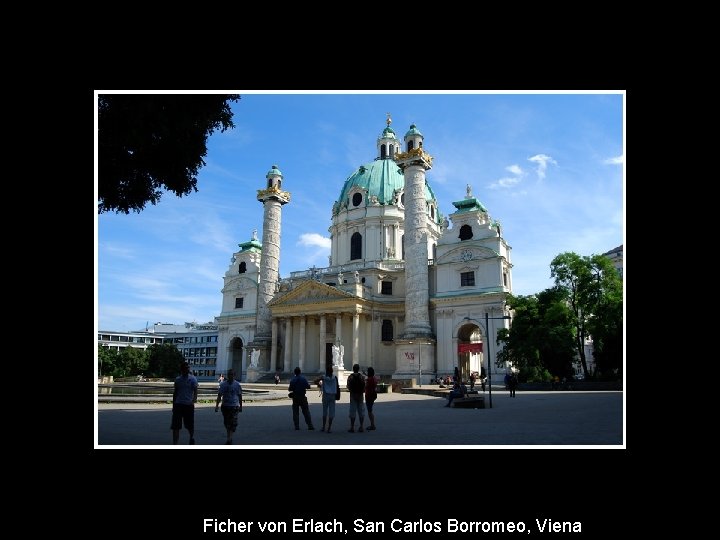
(470, 347)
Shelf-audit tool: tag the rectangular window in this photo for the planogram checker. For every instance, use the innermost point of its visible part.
(238, 303)
(467, 279)
(386, 287)
(387, 330)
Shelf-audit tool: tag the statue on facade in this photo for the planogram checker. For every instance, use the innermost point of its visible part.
(337, 353)
(254, 357)
(357, 276)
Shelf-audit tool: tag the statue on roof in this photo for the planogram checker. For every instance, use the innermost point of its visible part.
(254, 234)
(468, 190)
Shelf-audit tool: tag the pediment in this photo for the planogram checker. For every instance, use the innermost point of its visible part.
(467, 253)
(310, 292)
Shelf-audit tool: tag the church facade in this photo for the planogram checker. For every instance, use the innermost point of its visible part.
(407, 291)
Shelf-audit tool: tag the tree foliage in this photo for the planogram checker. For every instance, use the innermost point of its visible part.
(148, 144)
(107, 359)
(163, 360)
(540, 340)
(594, 297)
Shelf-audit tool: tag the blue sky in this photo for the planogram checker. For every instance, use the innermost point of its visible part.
(549, 167)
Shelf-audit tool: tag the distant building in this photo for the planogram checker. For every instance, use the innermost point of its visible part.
(616, 256)
(196, 342)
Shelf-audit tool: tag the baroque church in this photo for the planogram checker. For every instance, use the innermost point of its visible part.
(408, 291)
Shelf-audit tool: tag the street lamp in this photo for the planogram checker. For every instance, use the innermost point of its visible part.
(487, 335)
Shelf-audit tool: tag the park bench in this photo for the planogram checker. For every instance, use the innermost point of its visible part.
(470, 402)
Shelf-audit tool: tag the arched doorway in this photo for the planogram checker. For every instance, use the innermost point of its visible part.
(236, 356)
(468, 358)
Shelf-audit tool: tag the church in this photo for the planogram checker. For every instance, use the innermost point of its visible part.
(408, 291)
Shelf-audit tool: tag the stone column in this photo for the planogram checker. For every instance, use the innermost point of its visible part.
(338, 327)
(321, 359)
(287, 358)
(273, 347)
(301, 355)
(356, 338)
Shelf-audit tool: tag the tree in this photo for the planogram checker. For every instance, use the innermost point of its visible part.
(151, 143)
(130, 361)
(594, 295)
(163, 360)
(540, 340)
(107, 358)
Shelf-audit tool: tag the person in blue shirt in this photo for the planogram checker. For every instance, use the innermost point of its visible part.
(230, 392)
(185, 393)
(298, 386)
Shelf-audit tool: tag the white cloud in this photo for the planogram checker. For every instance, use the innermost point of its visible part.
(542, 161)
(619, 160)
(504, 183)
(515, 169)
(314, 239)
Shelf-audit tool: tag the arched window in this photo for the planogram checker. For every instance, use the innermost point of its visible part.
(269, 183)
(382, 151)
(242, 268)
(387, 330)
(402, 243)
(465, 232)
(356, 246)
(392, 150)
(410, 145)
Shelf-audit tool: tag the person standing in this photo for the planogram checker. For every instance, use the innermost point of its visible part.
(472, 381)
(356, 386)
(371, 396)
(185, 392)
(329, 389)
(512, 384)
(230, 392)
(298, 386)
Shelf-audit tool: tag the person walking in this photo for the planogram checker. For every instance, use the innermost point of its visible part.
(512, 384)
(230, 392)
(356, 386)
(371, 396)
(329, 387)
(185, 392)
(298, 386)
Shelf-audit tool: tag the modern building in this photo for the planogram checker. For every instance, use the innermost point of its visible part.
(407, 290)
(196, 342)
(616, 256)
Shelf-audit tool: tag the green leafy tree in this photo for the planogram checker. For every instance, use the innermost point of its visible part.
(540, 341)
(148, 144)
(593, 287)
(556, 344)
(130, 361)
(163, 360)
(107, 359)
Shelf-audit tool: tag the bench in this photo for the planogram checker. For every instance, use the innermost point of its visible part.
(472, 402)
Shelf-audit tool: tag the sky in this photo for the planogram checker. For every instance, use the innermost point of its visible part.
(548, 166)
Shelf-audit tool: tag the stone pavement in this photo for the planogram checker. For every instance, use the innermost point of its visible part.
(534, 419)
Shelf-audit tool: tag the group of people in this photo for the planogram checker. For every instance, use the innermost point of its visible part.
(362, 390)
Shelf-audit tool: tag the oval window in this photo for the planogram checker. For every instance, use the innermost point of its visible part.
(357, 199)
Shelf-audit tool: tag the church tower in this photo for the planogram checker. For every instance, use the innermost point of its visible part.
(272, 198)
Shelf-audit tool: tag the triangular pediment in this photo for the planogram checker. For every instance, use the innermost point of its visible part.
(311, 292)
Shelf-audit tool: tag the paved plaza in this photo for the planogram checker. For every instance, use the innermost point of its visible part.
(532, 418)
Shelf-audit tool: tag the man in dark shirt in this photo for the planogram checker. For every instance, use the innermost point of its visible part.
(298, 386)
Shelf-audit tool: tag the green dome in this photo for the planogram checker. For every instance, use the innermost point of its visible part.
(273, 171)
(413, 131)
(380, 179)
(388, 133)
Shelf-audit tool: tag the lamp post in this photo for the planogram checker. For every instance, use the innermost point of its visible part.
(487, 335)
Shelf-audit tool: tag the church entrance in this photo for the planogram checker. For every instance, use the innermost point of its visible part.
(236, 355)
